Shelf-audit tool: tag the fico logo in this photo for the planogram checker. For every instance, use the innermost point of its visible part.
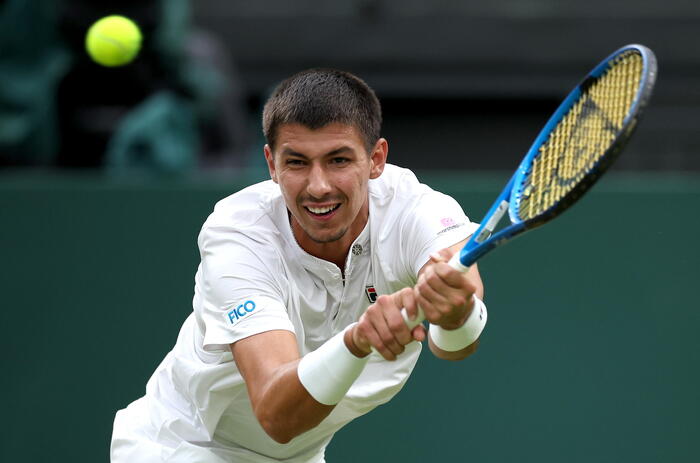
(241, 311)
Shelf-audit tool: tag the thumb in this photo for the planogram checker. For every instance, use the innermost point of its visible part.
(443, 255)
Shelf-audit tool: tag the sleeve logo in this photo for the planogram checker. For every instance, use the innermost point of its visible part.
(449, 224)
(234, 315)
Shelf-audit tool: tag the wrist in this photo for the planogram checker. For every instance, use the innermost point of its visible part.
(462, 321)
(328, 372)
(452, 340)
(351, 343)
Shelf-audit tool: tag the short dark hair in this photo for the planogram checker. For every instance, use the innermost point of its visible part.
(318, 97)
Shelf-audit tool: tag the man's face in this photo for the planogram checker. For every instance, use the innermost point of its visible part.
(323, 175)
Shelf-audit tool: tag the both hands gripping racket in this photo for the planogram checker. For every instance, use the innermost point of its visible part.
(576, 146)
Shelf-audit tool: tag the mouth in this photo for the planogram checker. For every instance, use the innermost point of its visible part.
(322, 211)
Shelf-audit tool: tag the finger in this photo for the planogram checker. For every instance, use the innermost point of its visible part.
(430, 300)
(443, 255)
(453, 278)
(432, 288)
(419, 334)
(386, 324)
(433, 312)
(441, 304)
(394, 319)
(366, 330)
(407, 300)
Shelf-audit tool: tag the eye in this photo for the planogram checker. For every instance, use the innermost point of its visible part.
(339, 160)
(294, 162)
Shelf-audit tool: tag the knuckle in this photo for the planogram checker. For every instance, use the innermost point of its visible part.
(362, 329)
(386, 353)
(396, 324)
(405, 338)
(445, 309)
(443, 269)
(387, 338)
(382, 299)
(458, 300)
(371, 312)
(432, 316)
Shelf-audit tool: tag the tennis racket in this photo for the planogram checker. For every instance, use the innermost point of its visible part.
(576, 146)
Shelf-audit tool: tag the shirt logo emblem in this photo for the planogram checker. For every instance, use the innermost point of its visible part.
(234, 315)
(356, 249)
(371, 294)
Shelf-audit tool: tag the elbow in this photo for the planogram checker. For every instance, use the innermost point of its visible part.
(280, 437)
(277, 429)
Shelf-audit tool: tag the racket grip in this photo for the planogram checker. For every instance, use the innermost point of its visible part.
(456, 264)
(413, 323)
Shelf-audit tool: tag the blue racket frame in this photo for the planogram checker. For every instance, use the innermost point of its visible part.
(484, 240)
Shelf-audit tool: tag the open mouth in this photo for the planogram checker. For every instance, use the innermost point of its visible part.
(322, 211)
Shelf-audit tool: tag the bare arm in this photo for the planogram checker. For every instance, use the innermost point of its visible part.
(268, 362)
(445, 295)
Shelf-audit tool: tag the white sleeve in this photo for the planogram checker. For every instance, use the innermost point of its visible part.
(237, 293)
(435, 222)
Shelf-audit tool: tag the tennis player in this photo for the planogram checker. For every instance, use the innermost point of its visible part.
(297, 326)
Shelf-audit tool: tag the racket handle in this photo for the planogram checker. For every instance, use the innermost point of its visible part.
(455, 263)
(413, 323)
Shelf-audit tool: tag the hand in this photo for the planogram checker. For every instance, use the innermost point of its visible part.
(445, 294)
(382, 327)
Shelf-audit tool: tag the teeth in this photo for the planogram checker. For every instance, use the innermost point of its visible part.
(321, 210)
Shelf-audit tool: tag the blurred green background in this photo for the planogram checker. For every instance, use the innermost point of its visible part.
(106, 176)
(591, 353)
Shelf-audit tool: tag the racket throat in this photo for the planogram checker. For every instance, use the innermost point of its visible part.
(485, 231)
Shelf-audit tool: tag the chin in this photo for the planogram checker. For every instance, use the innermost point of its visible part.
(327, 237)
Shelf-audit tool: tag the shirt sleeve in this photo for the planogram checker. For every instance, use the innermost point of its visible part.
(437, 221)
(237, 294)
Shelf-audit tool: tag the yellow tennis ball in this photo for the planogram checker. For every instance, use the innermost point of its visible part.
(113, 41)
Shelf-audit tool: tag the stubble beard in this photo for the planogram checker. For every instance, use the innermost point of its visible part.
(328, 239)
(316, 239)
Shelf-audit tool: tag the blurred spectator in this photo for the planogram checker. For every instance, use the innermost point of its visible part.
(32, 61)
(175, 107)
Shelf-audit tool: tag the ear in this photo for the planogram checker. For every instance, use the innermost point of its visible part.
(378, 158)
(270, 163)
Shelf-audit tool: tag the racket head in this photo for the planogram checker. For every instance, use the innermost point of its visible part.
(583, 137)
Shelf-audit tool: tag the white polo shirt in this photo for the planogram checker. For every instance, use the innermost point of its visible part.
(254, 277)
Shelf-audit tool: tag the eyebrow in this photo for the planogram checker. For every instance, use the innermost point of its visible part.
(290, 152)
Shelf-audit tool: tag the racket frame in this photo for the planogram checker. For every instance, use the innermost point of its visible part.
(483, 240)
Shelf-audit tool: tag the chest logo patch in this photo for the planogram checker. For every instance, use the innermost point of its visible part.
(356, 249)
(371, 294)
(235, 315)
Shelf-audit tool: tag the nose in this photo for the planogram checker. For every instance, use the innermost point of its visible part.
(319, 183)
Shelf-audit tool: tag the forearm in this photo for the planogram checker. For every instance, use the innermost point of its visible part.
(284, 407)
(289, 395)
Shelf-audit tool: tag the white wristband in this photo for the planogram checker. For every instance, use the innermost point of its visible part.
(465, 335)
(329, 371)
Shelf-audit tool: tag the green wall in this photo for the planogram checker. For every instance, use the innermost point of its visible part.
(590, 355)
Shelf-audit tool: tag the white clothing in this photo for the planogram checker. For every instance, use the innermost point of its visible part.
(254, 277)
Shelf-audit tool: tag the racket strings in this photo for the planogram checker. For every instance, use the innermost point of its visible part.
(582, 137)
